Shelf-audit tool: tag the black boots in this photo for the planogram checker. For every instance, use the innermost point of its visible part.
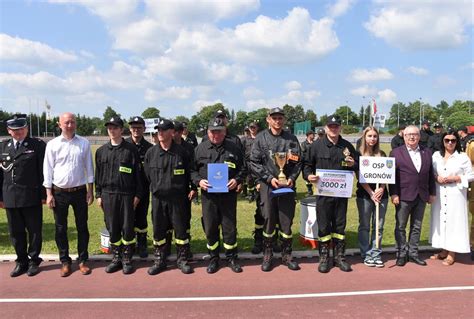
(286, 257)
(159, 264)
(116, 263)
(258, 241)
(324, 265)
(232, 260)
(127, 267)
(182, 260)
(142, 245)
(267, 254)
(339, 250)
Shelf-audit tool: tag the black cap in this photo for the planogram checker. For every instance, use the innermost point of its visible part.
(426, 122)
(437, 125)
(137, 120)
(246, 128)
(333, 120)
(321, 131)
(220, 113)
(114, 120)
(216, 124)
(402, 127)
(253, 124)
(276, 110)
(463, 128)
(17, 121)
(178, 126)
(309, 132)
(164, 125)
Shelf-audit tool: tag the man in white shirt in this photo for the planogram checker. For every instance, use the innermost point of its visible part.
(68, 179)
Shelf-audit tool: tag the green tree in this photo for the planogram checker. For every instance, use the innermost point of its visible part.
(460, 118)
(259, 116)
(345, 113)
(311, 116)
(241, 120)
(151, 113)
(182, 119)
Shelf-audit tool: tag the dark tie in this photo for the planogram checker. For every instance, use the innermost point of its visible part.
(17, 146)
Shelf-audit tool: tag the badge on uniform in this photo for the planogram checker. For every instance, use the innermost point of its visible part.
(124, 169)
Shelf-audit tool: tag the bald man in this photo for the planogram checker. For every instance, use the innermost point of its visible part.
(68, 179)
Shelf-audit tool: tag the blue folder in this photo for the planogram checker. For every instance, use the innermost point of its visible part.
(218, 177)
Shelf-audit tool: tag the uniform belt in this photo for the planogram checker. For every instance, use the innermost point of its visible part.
(68, 190)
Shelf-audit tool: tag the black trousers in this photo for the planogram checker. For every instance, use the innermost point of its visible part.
(220, 210)
(141, 212)
(414, 210)
(170, 213)
(78, 201)
(119, 217)
(277, 210)
(23, 222)
(258, 217)
(331, 213)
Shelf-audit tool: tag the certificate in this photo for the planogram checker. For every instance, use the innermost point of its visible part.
(334, 183)
(218, 177)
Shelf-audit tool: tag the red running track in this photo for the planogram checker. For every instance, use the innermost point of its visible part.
(302, 289)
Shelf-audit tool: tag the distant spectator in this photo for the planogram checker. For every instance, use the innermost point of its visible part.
(398, 140)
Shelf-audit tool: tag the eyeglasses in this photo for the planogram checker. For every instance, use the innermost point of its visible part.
(412, 134)
(450, 140)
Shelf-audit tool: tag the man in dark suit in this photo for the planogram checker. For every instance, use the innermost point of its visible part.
(414, 187)
(22, 193)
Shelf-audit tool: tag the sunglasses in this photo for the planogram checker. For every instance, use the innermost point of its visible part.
(450, 140)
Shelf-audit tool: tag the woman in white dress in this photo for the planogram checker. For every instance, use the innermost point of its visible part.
(449, 219)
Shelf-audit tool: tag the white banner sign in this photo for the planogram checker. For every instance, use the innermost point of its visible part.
(334, 183)
(379, 120)
(150, 124)
(374, 170)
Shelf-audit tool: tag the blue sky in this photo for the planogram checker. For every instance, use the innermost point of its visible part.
(178, 56)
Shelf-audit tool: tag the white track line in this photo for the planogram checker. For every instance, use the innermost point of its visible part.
(235, 298)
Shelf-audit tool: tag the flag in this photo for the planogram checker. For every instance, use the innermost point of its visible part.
(374, 107)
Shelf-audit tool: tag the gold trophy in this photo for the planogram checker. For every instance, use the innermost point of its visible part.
(280, 160)
(346, 153)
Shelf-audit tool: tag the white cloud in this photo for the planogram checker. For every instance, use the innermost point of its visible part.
(119, 9)
(293, 97)
(33, 53)
(364, 91)
(417, 71)
(189, 12)
(364, 75)
(419, 25)
(340, 8)
(444, 81)
(255, 104)
(293, 85)
(173, 92)
(250, 93)
(199, 104)
(386, 96)
(197, 72)
(86, 54)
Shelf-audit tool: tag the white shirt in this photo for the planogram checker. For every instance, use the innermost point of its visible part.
(68, 163)
(415, 156)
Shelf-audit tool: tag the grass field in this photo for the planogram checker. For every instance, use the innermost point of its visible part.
(245, 211)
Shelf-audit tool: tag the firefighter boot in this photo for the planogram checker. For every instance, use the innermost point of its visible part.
(142, 245)
(169, 240)
(339, 256)
(182, 261)
(258, 241)
(213, 266)
(116, 263)
(232, 260)
(159, 264)
(324, 266)
(286, 257)
(127, 267)
(275, 242)
(267, 254)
